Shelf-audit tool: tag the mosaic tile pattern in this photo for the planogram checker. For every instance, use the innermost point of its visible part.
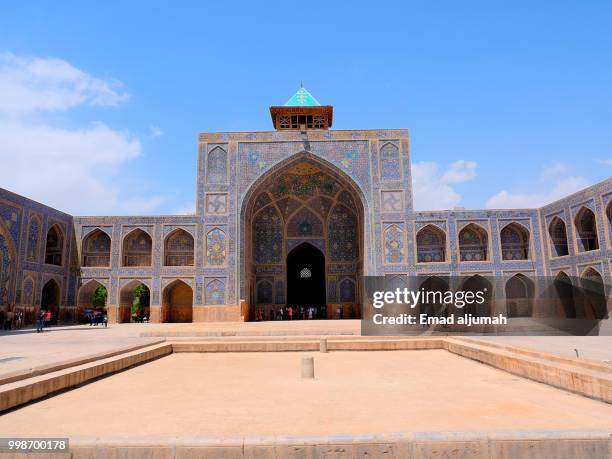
(215, 247)
(216, 165)
(366, 171)
(394, 243)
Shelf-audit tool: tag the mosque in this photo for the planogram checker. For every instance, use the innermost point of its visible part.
(294, 216)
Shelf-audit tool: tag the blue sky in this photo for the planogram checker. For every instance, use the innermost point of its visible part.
(508, 105)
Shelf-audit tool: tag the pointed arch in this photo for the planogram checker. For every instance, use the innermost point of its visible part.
(594, 294)
(390, 167)
(7, 264)
(565, 295)
(137, 248)
(347, 289)
(135, 295)
(34, 235)
(54, 247)
(473, 243)
(302, 179)
(178, 248)
(558, 237)
(431, 244)
(393, 238)
(304, 223)
(177, 302)
(50, 299)
(514, 239)
(586, 230)
(28, 294)
(519, 296)
(216, 166)
(96, 249)
(87, 298)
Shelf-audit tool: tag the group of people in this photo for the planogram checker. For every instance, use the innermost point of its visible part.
(289, 313)
(43, 319)
(96, 318)
(11, 319)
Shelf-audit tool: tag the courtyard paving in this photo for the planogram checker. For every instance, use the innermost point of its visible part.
(25, 349)
(252, 394)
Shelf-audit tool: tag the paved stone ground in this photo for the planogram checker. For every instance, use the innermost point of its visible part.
(25, 348)
(250, 394)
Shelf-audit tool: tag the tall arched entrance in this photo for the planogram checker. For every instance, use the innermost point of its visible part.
(306, 278)
(304, 217)
(177, 304)
(50, 300)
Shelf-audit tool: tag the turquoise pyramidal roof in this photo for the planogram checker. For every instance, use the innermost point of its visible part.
(302, 98)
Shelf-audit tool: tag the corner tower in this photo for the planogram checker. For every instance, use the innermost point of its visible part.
(301, 112)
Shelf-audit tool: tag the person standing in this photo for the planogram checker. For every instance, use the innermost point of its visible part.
(40, 321)
(290, 312)
(8, 319)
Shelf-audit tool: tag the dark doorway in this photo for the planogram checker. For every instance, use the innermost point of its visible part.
(306, 277)
(50, 300)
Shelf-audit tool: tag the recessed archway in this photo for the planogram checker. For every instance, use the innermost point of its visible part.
(178, 249)
(7, 264)
(96, 249)
(134, 302)
(593, 294)
(558, 237)
(564, 290)
(586, 230)
(92, 295)
(177, 303)
(431, 244)
(473, 243)
(519, 296)
(50, 299)
(303, 199)
(137, 248)
(54, 246)
(514, 242)
(306, 278)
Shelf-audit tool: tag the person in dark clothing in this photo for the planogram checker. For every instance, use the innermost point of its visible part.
(40, 321)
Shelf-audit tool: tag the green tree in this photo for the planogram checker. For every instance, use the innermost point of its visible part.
(141, 300)
(99, 297)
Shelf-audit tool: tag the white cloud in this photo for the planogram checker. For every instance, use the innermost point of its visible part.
(460, 171)
(432, 188)
(31, 84)
(554, 184)
(607, 162)
(156, 131)
(77, 170)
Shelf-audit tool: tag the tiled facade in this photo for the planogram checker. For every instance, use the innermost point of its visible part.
(236, 173)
